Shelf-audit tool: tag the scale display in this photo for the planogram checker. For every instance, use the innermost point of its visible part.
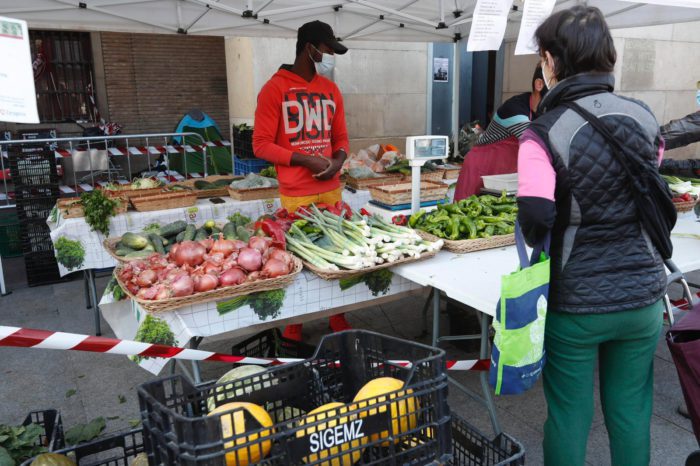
(427, 147)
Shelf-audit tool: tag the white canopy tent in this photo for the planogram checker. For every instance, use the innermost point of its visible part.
(390, 20)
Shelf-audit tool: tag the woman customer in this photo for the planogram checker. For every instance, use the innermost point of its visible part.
(607, 279)
(496, 150)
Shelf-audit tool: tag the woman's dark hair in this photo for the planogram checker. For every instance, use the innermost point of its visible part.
(579, 40)
(537, 75)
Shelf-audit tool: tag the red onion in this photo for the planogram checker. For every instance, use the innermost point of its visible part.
(147, 278)
(275, 268)
(238, 244)
(261, 243)
(280, 255)
(182, 286)
(163, 292)
(254, 276)
(207, 243)
(230, 277)
(147, 293)
(190, 253)
(250, 259)
(205, 282)
(217, 259)
(211, 268)
(223, 246)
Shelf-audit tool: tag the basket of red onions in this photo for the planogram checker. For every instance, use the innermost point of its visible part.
(196, 272)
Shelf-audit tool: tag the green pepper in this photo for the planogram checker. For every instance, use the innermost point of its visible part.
(489, 229)
(451, 209)
(488, 199)
(505, 208)
(417, 218)
(480, 225)
(454, 227)
(438, 217)
(489, 219)
(505, 228)
(470, 225)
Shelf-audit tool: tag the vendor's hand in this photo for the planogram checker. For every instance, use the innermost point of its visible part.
(333, 167)
(315, 164)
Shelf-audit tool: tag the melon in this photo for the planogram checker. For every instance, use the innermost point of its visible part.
(403, 412)
(232, 390)
(319, 414)
(52, 459)
(234, 424)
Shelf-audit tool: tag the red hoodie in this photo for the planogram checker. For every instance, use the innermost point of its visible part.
(294, 115)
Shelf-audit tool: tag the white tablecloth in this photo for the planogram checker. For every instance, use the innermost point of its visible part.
(97, 258)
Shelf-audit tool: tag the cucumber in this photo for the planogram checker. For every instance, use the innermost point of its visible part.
(139, 254)
(215, 231)
(242, 233)
(172, 229)
(201, 234)
(230, 231)
(222, 183)
(201, 184)
(165, 241)
(180, 236)
(122, 251)
(168, 247)
(134, 241)
(157, 242)
(189, 232)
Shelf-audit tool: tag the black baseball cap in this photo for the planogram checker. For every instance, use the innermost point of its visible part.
(318, 32)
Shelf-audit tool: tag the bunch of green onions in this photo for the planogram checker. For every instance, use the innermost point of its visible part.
(331, 242)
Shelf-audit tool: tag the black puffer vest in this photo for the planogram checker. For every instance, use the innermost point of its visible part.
(602, 260)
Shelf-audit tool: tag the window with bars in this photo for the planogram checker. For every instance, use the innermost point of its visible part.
(63, 75)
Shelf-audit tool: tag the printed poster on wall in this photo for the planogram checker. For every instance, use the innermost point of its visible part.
(488, 25)
(441, 69)
(17, 94)
(534, 13)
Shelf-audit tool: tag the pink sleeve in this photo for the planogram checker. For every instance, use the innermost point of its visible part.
(662, 146)
(536, 175)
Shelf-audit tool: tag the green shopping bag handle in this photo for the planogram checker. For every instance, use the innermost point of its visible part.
(536, 251)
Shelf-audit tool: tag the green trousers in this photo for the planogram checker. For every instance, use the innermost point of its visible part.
(623, 344)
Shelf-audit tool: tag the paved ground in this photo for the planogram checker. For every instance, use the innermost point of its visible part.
(84, 386)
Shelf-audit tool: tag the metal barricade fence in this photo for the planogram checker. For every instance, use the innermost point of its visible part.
(98, 161)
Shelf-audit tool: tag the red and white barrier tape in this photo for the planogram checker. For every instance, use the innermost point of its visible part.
(45, 339)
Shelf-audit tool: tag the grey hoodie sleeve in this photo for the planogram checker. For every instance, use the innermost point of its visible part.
(680, 133)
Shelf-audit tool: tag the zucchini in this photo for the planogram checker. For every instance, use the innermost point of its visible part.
(172, 229)
(157, 242)
(230, 231)
(180, 236)
(201, 234)
(190, 231)
(242, 234)
(134, 241)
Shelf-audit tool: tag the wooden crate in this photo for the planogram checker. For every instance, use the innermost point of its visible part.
(381, 180)
(163, 201)
(452, 171)
(71, 207)
(397, 194)
(206, 193)
(253, 194)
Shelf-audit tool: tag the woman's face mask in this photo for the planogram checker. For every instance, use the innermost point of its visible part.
(546, 76)
(326, 65)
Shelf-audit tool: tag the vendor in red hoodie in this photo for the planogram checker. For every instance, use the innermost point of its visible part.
(300, 128)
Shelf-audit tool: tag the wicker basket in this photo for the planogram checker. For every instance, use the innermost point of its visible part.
(127, 193)
(397, 194)
(381, 180)
(70, 207)
(253, 194)
(207, 193)
(216, 294)
(436, 176)
(338, 274)
(164, 201)
(686, 206)
(470, 245)
(452, 171)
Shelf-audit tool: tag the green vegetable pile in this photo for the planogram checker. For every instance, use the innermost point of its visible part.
(471, 218)
(19, 443)
(136, 183)
(69, 253)
(98, 210)
(156, 331)
(81, 433)
(265, 303)
(253, 181)
(269, 172)
(401, 166)
(378, 281)
(114, 288)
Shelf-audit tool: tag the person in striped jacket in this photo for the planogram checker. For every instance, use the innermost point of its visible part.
(496, 150)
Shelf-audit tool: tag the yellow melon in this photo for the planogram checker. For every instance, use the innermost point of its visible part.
(323, 438)
(233, 424)
(404, 412)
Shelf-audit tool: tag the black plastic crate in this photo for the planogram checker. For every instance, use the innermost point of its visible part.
(35, 209)
(41, 268)
(179, 431)
(243, 143)
(40, 191)
(472, 448)
(35, 168)
(50, 420)
(36, 235)
(271, 344)
(113, 450)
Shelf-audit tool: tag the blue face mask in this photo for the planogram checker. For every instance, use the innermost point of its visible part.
(326, 65)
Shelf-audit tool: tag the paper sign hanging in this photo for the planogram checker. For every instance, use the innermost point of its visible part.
(488, 25)
(676, 3)
(17, 94)
(534, 13)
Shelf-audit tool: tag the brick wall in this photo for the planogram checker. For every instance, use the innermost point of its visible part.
(151, 80)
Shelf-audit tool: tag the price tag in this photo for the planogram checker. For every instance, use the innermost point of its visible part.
(191, 214)
(269, 206)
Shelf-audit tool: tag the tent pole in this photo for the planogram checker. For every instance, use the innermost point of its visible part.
(429, 93)
(455, 96)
